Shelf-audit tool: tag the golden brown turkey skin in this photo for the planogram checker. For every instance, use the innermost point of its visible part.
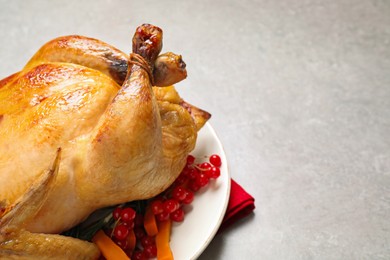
(119, 143)
(18, 243)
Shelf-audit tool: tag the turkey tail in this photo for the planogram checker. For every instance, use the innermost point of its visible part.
(200, 116)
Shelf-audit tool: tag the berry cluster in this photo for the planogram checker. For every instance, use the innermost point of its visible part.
(130, 235)
(193, 177)
(129, 232)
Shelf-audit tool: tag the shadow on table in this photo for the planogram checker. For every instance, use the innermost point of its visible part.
(216, 247)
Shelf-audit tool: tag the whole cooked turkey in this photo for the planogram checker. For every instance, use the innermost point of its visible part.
(84, 126)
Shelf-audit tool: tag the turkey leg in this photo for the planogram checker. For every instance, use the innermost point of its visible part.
(95, 54)
(127, 142)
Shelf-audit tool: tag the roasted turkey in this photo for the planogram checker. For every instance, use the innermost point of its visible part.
(85, 126)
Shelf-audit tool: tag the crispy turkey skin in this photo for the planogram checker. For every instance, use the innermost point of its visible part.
(121, 138)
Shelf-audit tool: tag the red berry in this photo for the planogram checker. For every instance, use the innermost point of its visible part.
(185, 170)
(190, 159)
(181, 179)
(170, 205)
(215, 160)
(138, 255)
(128, 215)
(202, 179)
(147, 240)
(192, 173)
(189, 197)
(194, 186)
(121, 232)
(116, 213)
(129, 225)
(162, 216)
(179, 193)
(157, 207)
(177, 215)
(150, 251)
(214, 172)
(122, 243)
(205, 166)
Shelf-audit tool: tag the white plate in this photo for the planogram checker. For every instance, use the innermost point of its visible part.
(204, 216)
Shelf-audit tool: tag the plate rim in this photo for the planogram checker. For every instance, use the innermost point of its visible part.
(226, 202)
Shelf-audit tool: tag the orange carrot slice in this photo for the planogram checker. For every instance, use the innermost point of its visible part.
(164, 251)
(108, 248)
(150, 223)
(131, 240)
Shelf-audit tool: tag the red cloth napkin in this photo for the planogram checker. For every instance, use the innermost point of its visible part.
(240, 205)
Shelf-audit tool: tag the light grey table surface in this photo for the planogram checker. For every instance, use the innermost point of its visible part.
(300, 97)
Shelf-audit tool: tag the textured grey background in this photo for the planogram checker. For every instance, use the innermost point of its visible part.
(300, 97)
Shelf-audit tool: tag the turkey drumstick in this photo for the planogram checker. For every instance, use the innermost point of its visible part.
(95, 54)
